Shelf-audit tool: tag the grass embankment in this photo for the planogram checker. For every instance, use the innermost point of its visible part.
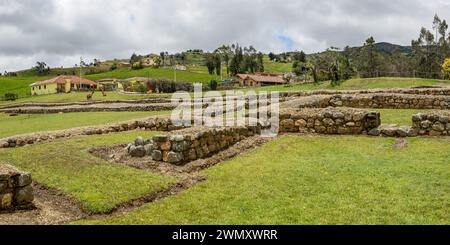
(98, 185)
(316, 180)
(28, 123)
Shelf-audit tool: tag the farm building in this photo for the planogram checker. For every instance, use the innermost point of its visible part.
(110, 84)
(61, 84)
(261, 79)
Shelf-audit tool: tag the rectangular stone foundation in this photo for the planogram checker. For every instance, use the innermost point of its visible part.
(190, 144)
(15, 188)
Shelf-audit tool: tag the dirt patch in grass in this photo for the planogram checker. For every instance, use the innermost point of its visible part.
(55, 207)
(51, 207)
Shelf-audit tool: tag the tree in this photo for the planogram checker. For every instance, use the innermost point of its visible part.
(213, 85)
(217, 64)
(299, 56)
(135, 58)
(431, 50)
(272, 56)
(209, 63)
(260, 62)
(156, 62)
(225, 53)
(370, 66)
(446, 68)
(163, 56)
(42, 68)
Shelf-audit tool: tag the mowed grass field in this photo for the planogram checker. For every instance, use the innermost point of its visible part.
(81, 96)
(159, 73)
(28, 123)
(97, 184)
(314, 180)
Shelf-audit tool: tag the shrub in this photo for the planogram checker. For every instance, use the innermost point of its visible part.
(446, 68)
(212, 85)
(140, 88)
(11, 96)
(137, 66)
(113, 67)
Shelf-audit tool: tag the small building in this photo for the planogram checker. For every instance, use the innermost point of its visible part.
(261, 79)
(148, 61)
(180, 67)
(62, 84)
(109, 84)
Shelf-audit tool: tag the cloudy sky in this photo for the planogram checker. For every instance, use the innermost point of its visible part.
(60, 31)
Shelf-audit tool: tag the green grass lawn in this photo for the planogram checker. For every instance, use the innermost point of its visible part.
(18, 85)
(160, 73)
(315, 180)
(276, 67)
(398, 116)
(81, 96)
(98, 185)
(28, 123)
(358, 84)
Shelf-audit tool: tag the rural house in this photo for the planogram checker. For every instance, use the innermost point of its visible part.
(61, 84)
(261, 79)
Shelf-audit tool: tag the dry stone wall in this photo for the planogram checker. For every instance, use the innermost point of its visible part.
(189, 144)
(417, 91)
(15, 188)
(436, 123)
(328, 120)
(392, 101)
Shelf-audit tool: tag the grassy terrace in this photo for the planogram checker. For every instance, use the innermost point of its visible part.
(360, 83)
(81, 96)
(160, 73)
(97, 184)
(319, 180)
(28, 123)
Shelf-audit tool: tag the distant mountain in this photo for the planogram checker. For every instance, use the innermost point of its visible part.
(390, 48)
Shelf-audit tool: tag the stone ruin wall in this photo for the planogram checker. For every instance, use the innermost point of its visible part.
(328, 121)
(189, 144)
(436, 123)
(16, 191)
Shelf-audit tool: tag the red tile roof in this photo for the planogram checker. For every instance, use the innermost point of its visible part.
(62, 80)
(264, 78)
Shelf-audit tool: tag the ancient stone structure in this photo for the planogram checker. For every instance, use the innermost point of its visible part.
(328, 121)
(15, 188)
(388, 101)
(436, 123)
(189, 144)
(417, 91)
(162, 123)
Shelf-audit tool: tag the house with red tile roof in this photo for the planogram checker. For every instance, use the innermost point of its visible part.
(260, 79)
(62, 84)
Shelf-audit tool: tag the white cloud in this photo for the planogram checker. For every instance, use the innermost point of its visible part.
(60, 31)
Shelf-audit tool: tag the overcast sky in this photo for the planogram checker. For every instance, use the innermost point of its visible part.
(60, 31)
